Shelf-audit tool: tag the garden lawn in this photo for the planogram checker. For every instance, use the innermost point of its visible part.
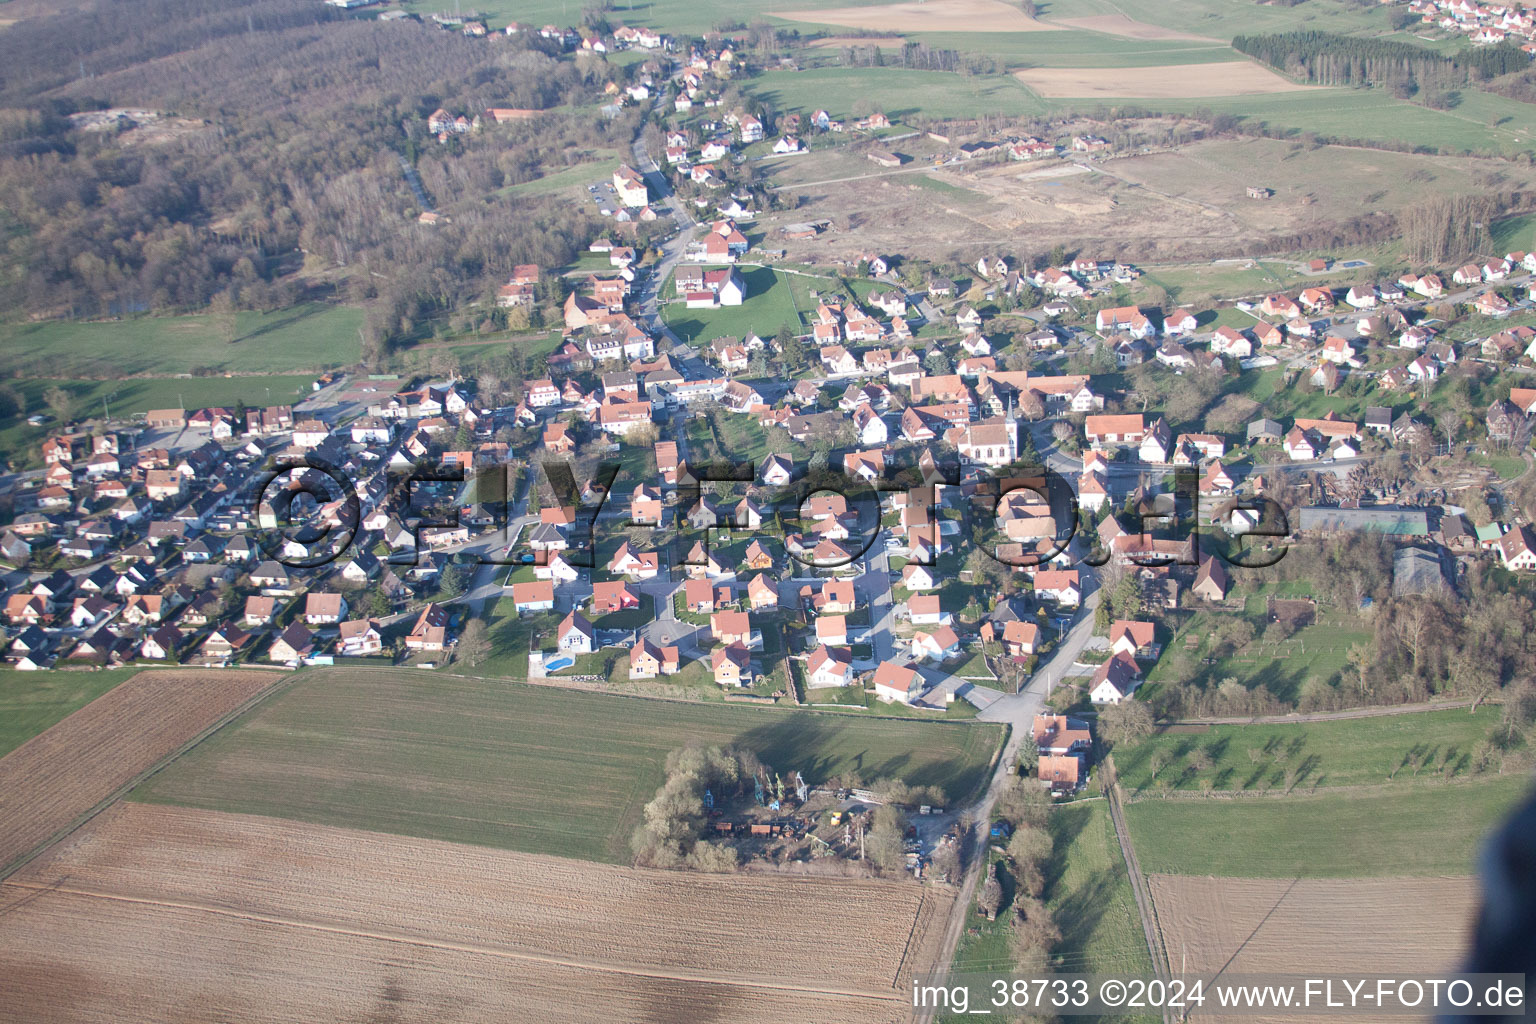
(767, 307)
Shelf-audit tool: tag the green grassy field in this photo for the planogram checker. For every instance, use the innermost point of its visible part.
(1346, 752)
(1515, 234)
(768, 305)
(31, 702)
(897, 91)
(1348, 834)
(1219, 19)
(1089, 895)
(19, 440)
(539, 769)
(1315, 652)
(1483, 123)
(577, 177)
(309, 336)
(1070, 47)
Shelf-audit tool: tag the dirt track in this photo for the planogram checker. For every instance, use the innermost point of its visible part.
(55, 777)
(296, 922)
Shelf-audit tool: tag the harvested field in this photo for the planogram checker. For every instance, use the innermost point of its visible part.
(933, 16)
(1175, 81)
(832, 42)
(51, 780)
(1330, 926)
(184, 914)
(1120, 25)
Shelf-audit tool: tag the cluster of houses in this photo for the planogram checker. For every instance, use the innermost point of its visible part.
(1483, 24)
(160, 554)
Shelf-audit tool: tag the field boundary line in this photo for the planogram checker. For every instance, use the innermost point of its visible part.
(768, 708)
(6, 871)
(1382, 711)
(403, 938)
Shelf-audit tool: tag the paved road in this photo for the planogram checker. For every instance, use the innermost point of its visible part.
(672, 249)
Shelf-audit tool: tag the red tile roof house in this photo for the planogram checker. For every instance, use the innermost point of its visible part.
(895, 682)
(1020, 639)
(761, 593)
(536, 596)
(361, 637)
(935, 645)
(431, 630)
(1058, 734)
(1517, 549)
(1060, 585)
(731, 627)
(646, 660)
(613, 596)
(324, 609)
(1133, 637)
(1061, 773)
(832, 630)
(1115, 680)
(828, 667)
(732, 665)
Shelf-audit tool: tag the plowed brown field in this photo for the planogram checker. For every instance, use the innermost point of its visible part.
(1322, 926)
(162, 913)
(59, 775)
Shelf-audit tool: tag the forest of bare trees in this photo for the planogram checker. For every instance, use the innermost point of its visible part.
(303, 120)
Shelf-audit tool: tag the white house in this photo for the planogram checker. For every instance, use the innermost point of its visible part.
(895, 682)
(828, 666)
(935, 645)
(575, 634)
(1116, 680)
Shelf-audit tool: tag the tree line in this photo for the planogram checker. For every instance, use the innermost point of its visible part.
(917, 57)
(1328, 58)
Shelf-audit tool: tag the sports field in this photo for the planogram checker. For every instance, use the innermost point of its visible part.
(538, 769)
(1422, 747)
(1343, 834)
(304, 337)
